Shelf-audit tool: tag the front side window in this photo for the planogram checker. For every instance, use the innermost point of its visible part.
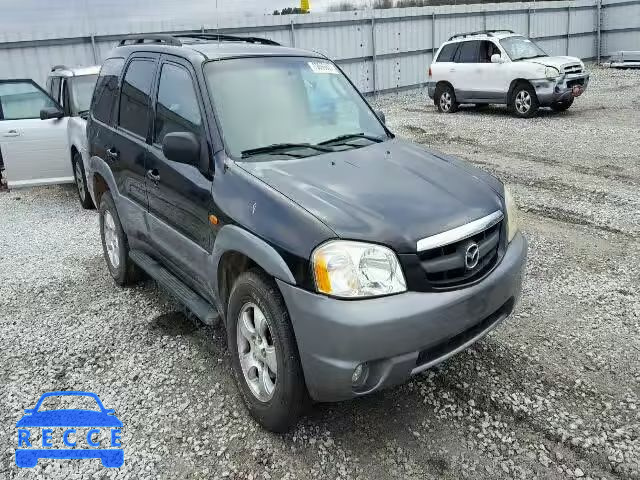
(447, 53)
(135, 97)
(106, 89)
(81, 92)
(266, 101)
(521, 48)
(487, 49)
(177, 108)
(468, 52)
(22, 100)
(54, 90)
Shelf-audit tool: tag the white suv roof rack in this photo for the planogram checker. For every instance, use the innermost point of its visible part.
(488, 33)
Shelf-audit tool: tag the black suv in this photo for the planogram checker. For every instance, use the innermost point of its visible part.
(256, 184)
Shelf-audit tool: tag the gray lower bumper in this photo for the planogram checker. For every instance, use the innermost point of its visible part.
(431, 89)
(561, 90)
(398, 335)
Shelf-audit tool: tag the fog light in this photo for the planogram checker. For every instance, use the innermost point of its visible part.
(360, 374)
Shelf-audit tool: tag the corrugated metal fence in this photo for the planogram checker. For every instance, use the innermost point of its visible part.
(381, 50)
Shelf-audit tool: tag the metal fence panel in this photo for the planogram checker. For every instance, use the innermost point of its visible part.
(379, 50)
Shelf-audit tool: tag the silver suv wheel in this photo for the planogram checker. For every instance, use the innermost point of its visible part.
(257, 352)
(445, 101)
(523, 102)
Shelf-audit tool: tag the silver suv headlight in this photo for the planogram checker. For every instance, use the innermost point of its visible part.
(350, 269)
(512, 215)
(551, 73)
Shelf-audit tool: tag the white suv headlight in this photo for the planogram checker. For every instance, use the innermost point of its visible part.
(551, 73)
(512, 215)
(349, 269)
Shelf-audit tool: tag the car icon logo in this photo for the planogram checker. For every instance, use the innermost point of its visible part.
(471, 256)
(97, 424)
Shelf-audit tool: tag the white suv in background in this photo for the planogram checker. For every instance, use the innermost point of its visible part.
(43, 133)
(499, 66)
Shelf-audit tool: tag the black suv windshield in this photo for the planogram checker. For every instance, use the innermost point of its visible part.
(81, 92)
(521, 48)
(264, 102)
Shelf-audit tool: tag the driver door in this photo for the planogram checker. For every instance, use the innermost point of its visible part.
(34, 151)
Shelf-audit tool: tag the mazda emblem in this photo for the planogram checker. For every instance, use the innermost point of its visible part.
(471, 256)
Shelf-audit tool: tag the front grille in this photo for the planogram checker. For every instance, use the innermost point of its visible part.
(572, 68)
(445, 266)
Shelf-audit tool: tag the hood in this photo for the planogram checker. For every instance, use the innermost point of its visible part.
(393, 192)
(558, 62)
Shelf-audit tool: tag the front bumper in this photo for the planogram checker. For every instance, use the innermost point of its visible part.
(399, 335)
(431, 89)
(559, 90)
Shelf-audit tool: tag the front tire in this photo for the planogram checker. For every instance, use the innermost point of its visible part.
(264, 353)
(445, 99)
(81, 183)
(115, 245)
(562, 106)
(524, 101)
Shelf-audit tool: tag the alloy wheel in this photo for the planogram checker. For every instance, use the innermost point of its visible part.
(523, 101)
(111, 241)
(257, 352)
(445, 101)
(80, 182)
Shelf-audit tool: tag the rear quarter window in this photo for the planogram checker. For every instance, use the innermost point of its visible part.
(447, 53)
(106, 91)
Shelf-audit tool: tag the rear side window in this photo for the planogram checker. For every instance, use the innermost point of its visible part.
(468, 52)
(447, 53)
(135, 97)
(177, 108)
(106, 91)
(22, 99)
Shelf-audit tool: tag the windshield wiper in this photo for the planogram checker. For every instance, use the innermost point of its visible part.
(277, 147)
(534, 56)
(341, 138)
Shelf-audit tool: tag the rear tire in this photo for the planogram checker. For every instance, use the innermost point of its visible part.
(445, 99)
(561, 106)
(115, 245)
(264, 353)
(81, 183)
(524, 101)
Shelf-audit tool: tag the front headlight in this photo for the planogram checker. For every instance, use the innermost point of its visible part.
(354, 269)
(551, 73)
(512, 215)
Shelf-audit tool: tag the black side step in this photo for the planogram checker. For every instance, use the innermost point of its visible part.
(185, 295)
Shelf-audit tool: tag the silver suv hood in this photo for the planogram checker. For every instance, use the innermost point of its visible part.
(564, 64)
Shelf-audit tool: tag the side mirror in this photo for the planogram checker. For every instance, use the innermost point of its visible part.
(381, 116)
(496, 58)
(51, 112)
(182, 147)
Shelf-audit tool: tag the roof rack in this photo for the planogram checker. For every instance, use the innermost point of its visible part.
(59, 67)
(227, 38)
(174, 40)
(150, 38)
(488, 33)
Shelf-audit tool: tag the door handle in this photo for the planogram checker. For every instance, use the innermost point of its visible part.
(153, 175)
(11, 133)
(113, 154)
(452, 69)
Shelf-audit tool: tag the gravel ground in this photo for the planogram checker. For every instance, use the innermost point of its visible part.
(554, 393)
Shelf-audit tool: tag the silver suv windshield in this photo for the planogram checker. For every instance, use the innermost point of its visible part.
(81, 92)
(521, 48)
(292, 106)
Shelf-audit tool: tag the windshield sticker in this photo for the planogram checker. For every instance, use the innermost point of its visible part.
(323, 67)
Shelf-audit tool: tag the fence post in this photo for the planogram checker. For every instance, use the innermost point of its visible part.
(94, 49)
(293, 34)
(568, 28)
(433, 36)
(599, 30)
(373, 50)
(528, 23)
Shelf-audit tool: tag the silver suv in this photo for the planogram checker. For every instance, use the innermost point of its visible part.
(500, 66)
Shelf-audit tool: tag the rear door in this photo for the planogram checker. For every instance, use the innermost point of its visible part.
(466, 70)
(179, 194)
(34, 151)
